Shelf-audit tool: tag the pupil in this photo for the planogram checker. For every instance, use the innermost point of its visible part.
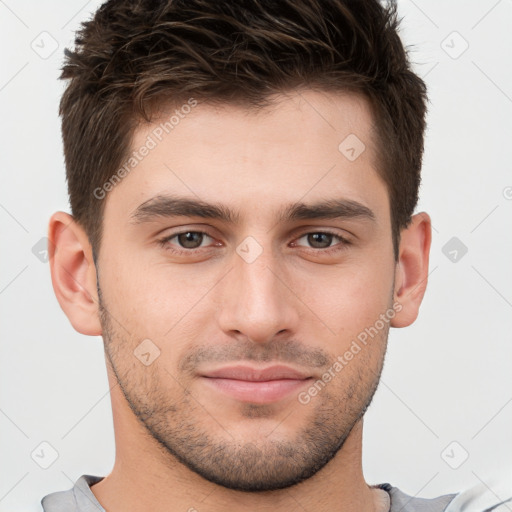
(190, 240)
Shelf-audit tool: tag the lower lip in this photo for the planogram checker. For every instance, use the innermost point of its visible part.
(256, 392)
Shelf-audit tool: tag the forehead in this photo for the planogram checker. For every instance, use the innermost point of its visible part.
(304, 146)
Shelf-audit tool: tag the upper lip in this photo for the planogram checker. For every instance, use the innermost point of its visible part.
(248, 373)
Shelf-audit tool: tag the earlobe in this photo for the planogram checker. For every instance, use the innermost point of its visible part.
(73, 273)
(412, 269)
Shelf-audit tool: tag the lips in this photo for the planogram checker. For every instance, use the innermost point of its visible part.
(248, 373)
(256, 385)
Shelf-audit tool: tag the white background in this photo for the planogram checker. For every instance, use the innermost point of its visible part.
(446, 378)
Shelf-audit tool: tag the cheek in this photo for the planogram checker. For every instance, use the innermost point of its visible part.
(151, 300)
(347, 300)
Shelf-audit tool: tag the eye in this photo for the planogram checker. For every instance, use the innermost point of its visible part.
(186, 240)
(323, 240)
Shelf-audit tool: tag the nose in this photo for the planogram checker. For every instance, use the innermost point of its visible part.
(258, 300)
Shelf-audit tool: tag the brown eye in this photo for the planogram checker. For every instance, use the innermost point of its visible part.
(190, 239)
(185, 241)
(320, 240)
(322, 243)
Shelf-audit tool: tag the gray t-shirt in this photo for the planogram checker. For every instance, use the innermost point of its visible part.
(81, 499)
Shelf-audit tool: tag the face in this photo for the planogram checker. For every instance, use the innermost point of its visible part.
(246, 275)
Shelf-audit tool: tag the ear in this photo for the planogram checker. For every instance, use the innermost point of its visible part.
(73, 273)
(412, 269)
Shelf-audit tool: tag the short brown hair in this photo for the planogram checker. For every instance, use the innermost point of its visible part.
(136, 56)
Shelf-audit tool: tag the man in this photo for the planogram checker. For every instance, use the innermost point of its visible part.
(242, 177)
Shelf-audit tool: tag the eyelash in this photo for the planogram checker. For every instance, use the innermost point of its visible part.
(329, 250)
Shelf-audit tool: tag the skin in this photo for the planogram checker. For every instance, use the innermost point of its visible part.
(182, 444)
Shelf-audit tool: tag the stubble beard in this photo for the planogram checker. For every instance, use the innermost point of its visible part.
(174, 421)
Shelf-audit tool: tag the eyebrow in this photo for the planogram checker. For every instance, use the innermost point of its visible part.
(178, 206)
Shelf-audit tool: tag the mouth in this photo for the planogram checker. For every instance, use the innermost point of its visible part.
(256, 385)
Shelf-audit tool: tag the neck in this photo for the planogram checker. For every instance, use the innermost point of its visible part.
(146, 477)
